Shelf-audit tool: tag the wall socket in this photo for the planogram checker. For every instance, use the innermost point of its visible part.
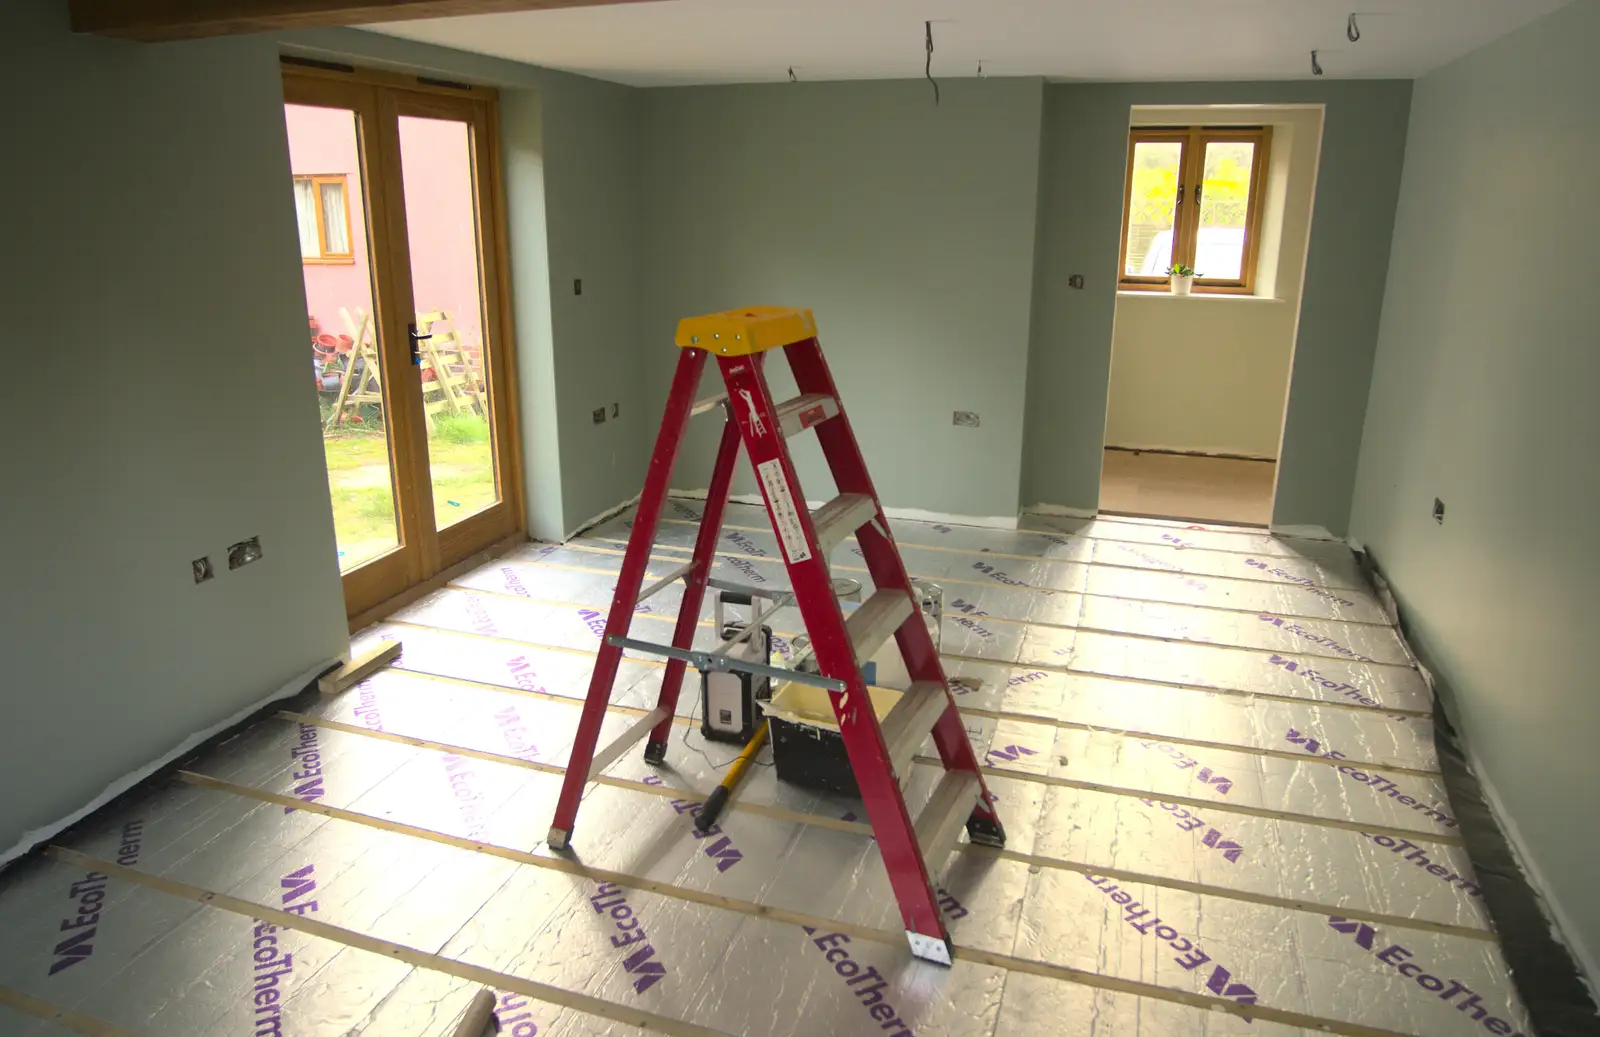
(244, 552)
(965, 418)
(599, 415)
(202, 569)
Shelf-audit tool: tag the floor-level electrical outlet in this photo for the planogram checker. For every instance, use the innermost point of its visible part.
(244, 552)
(202, 569)
(966, 419)
(599, 415)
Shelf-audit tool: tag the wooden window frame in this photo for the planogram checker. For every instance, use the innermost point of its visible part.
(1186, 222)
(324, 257)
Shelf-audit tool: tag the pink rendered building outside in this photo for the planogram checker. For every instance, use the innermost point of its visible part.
(440, 218)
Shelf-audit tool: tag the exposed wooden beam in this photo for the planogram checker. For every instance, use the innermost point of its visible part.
(154, 21)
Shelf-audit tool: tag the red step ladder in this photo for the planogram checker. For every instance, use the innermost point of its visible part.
(740, 340)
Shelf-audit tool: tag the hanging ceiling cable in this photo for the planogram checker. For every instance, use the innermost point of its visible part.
(1316, 66)
(927, 68)
(1352, 31)
(792, 77)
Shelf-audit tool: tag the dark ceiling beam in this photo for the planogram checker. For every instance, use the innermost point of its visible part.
(154, 21)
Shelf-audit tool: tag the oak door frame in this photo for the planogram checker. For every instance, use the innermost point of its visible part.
(378, 99)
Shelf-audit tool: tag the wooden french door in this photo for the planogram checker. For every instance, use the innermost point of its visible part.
(397, 209)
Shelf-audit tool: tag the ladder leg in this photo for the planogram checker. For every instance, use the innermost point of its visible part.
(824, 622)
(891, 824)
(645, 522)
(883, 560)
(694, 588)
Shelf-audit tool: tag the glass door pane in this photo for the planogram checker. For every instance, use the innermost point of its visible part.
(439, 181)
(1152, 207)
(331, 213)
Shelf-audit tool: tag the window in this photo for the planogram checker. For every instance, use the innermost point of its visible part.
(322, 209)
(1193, 198)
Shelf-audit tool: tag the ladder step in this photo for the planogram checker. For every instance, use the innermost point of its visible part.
(802, 412)
(910, 721)
(609, 755)
(876, 621)
(939, 825)
(666, 581)
(709, 403)
(841, 517)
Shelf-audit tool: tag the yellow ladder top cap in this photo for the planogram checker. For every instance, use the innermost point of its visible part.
(751, 329)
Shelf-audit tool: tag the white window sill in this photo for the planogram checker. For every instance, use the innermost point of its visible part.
(1205, 296)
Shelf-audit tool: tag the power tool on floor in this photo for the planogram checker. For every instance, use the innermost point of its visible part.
(728, 698)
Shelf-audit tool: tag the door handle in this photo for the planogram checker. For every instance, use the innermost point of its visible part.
(416, 344)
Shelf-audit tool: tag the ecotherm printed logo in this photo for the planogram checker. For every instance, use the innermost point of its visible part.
(88, 896)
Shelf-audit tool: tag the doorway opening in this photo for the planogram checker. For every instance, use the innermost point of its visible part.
(1215, 225)
(396, 206)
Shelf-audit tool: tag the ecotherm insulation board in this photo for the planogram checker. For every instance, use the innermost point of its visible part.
(1212, 754)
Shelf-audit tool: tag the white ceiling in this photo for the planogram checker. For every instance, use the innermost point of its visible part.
(676, 42)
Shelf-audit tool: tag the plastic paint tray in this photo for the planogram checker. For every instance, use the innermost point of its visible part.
(807, 748)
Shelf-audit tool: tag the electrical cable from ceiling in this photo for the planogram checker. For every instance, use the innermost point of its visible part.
(792, 77)
(927, 68)
(1316, 66)
(1352, 31)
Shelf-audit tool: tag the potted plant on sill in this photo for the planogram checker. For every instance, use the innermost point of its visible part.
(1181, 278)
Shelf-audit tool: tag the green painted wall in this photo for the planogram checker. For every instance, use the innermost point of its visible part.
(572, 186)
(908, 228)
(159, 407)
(167, 412)
(1483, 396)
(1084, 160)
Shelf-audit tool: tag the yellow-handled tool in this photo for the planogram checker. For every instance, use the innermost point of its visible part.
(479, 1020)
(719, 795)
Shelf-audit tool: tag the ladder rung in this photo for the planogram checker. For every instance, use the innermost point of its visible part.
(841, 517)
(674, 576)
(709, 403)
(876, 621)
(802, 412)
(607, 756)
(909, 722)
(939, 825)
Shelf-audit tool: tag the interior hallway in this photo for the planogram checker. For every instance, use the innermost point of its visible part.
(1187, 486)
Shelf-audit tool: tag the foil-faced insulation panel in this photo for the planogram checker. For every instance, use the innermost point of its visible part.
(1213, 758)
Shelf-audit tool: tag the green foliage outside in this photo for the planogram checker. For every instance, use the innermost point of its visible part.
(460, 459)
(1224, 196)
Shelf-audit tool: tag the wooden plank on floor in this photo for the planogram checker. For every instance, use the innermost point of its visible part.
(358, 666)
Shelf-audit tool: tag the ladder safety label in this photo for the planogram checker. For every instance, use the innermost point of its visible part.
(784, 517)
(758, 427)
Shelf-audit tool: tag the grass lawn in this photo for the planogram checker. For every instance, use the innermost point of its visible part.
(459, 457)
